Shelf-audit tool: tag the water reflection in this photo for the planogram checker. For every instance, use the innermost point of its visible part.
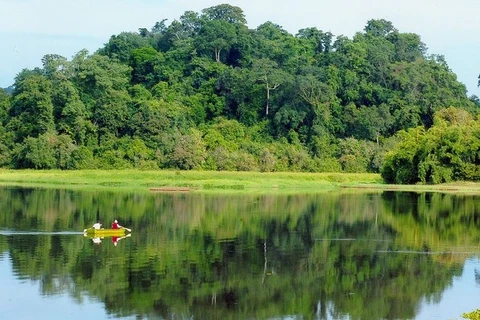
(327, 256)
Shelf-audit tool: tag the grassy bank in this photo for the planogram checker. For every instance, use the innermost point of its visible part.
(205, 181)
(184, 180)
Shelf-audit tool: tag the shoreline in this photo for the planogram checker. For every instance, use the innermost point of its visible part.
(215, 181)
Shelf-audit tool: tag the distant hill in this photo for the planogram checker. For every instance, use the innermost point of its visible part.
(206, 92)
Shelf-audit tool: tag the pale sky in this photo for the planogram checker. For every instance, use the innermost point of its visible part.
(29, 29)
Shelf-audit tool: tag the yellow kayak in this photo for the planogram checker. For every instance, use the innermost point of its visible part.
(101, 233)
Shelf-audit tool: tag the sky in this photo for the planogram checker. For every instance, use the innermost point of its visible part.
(30, 29)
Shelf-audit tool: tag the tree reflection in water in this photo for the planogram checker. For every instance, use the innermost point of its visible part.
(330, 255)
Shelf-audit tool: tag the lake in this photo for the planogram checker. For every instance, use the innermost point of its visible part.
(346, 254)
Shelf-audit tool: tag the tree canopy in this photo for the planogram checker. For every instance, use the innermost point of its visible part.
(310, 101)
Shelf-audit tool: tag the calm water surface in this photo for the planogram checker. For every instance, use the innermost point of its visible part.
(337, 255)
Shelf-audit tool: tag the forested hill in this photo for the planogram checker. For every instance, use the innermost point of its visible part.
(207, 92)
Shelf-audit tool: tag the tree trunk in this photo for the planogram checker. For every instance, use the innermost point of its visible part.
(268, 98)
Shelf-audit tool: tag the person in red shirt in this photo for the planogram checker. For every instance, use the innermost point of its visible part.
(115, 225)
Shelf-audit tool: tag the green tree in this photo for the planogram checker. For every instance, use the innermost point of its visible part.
(401, 164)
(189, 151)
(273, 43)
(69, 110)
(82, 158)
(121, 46)
(319, 41)
(355, 155)
(146, 63)
(408, 46)
(47, 151)
(243, 94)
(379, 28)
(369, 123)
(4, 105)
(103, 85)
(447, 151)
(32, 105)
(219, 27)
(227, 13)
(266, 72)
(322, 99)
(216, 36)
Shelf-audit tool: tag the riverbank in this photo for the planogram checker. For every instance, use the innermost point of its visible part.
(206, 181)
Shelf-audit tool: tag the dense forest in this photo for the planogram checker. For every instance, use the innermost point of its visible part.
(206, 92)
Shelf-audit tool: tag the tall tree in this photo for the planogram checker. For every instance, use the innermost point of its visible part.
(219, 27)
(408, 46)
(320, 97)
(120, 46)
(103, 86)
(267, 72)
(216, 36)
(227, 13)
(379, 28)
(69, 110)
(32, 105)
(321, 42)
(275, 43)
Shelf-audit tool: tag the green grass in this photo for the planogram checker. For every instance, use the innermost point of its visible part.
(210, 181)
(194, 180)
